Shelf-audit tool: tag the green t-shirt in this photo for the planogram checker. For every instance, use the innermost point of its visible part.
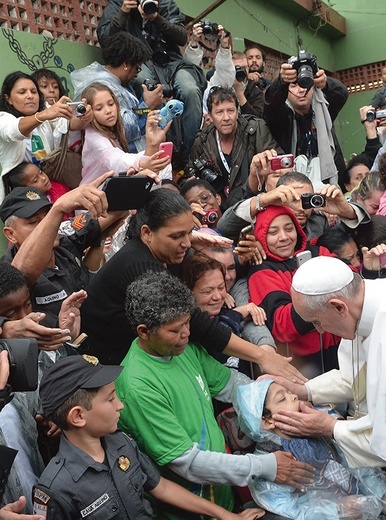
(168, 407)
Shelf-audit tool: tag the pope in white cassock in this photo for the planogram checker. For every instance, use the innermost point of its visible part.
(327, 293)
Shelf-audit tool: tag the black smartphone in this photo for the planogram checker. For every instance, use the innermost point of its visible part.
(124, 193)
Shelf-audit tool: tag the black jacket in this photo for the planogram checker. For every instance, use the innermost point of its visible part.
(280, 117)
(252, 137)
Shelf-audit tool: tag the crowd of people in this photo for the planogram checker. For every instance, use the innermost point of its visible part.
(248, 282)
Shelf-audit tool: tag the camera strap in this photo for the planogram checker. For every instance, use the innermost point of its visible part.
(222, 156)
(209, 49)
(141, 111)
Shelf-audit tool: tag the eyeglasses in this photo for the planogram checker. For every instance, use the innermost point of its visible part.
(204, 198)
(139, 68)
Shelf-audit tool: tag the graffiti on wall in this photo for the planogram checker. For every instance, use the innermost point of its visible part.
(45, 59)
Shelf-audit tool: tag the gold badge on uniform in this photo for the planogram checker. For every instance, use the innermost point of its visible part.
(124, 463)
(91, 359)
(32, 195)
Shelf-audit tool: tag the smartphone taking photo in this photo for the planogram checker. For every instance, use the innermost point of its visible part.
(124, 193)
(167, 150)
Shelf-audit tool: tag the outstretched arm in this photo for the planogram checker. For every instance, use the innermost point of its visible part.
(176, 495)
(36, 251)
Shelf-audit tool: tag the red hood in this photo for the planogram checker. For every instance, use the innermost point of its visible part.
(264, 220)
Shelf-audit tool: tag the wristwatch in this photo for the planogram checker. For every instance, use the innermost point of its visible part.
(257, 205)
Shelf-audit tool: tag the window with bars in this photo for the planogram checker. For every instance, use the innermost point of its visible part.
(362, 79)
(64, 19)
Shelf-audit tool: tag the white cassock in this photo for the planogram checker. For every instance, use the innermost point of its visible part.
(362, 376)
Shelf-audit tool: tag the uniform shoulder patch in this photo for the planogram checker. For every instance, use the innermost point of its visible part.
(41, 510)
(41, 495)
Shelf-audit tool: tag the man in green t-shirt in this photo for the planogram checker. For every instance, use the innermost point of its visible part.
(167, 387)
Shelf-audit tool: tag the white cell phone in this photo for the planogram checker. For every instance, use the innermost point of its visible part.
(303, 257)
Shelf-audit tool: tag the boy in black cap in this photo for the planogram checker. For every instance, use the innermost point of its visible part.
(100, 471)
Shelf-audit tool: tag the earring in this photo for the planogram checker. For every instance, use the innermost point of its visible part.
(125, 68)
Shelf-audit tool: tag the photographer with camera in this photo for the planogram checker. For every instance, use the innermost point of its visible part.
(300, 108)
(224, 70)
(223, 151)
(250, 84)
(159, 25)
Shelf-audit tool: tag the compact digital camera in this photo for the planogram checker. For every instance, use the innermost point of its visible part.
(78, 107)
(172, 109)
(313, 200)
(282, 161)
(210, 218)
(306, 66)
(23, 363)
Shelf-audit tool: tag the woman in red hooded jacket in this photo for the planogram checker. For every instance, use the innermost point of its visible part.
(269, 284)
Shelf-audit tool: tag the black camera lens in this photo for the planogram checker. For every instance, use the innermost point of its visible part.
(241, 73)
(208, 175)
(23, 363)
(149, 6)
(212, 217)
(80, 109)
(305, 77)
(209, 28)
(150, 84)
(203, 171)
(370, 115)
(262, 83)
(167, 90)
(306, 66)
(317, 201)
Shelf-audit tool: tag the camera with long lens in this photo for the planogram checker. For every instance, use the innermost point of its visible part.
(23, 363)
(209, 28)
(241, 74)
(202, 169)
(306, 66)
(313, 200)
(148, 6)
(167, 90)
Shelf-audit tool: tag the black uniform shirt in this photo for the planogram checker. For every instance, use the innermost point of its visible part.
(75, 486)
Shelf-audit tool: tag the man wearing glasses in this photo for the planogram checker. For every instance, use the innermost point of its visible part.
(159, 25)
